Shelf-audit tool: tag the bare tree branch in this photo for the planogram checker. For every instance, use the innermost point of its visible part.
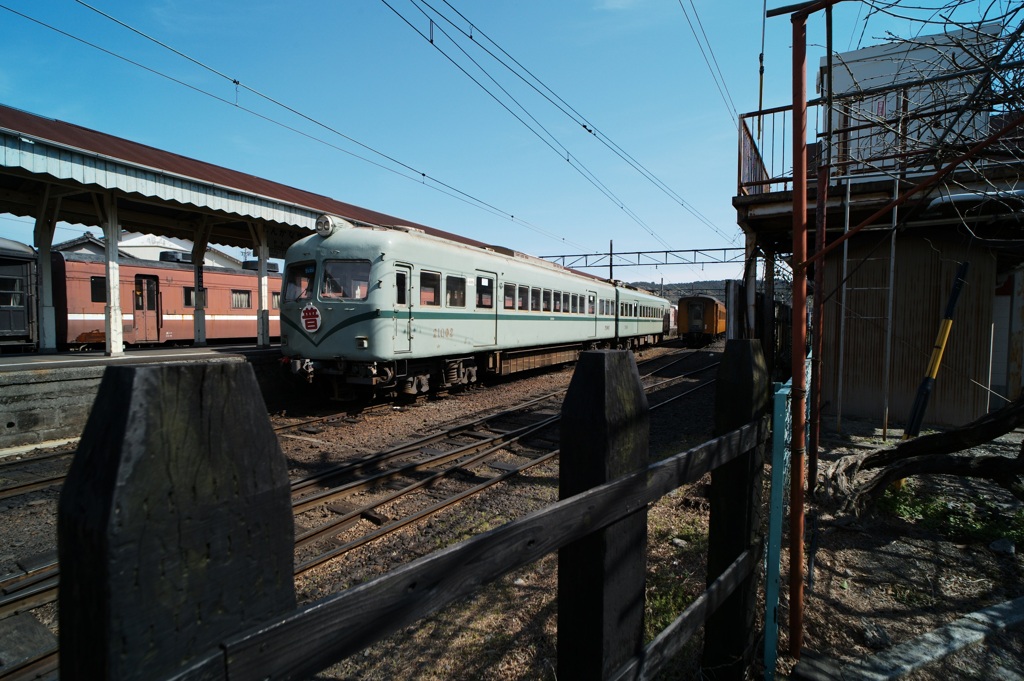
(930, 455)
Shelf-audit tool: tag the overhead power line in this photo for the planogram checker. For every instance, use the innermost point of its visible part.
(716, 72)
(546, 137)
(535, 83)
(412, 173)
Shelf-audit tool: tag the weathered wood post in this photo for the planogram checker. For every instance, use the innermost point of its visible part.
(174, 525)
(742, 394)
(601, 578)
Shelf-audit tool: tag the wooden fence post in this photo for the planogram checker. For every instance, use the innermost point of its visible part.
(741, 395)
(601, 578)
(174, 524)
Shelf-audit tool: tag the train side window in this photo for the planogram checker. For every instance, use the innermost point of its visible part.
(510, 296)
(455, 290)
(590, 304)
(430, 288)
(535, 299)
(484, 292)
(241, 300)
(574, 301)
(557, 301)
(523, 299)
(565, 303)
(400, 288)
(546, 300)
(190, 295)
(11, 291)
(275, 300)
(299, 281)
(98, 289)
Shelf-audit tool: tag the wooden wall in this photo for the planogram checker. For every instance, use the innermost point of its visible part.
(924, 272)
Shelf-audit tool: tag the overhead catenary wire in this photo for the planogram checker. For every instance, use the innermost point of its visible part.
(413, 174)
(547, 138)
(542, 89)
(716, 72)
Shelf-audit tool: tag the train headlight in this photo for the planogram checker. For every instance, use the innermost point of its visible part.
(327, 225)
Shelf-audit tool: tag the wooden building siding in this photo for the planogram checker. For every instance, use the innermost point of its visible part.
(924, 273)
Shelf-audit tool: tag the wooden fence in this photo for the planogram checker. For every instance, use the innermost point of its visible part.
(176, 535)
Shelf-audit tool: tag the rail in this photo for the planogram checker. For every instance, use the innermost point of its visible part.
(192, 500)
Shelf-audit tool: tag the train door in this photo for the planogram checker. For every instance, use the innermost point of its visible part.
(591, 310)
(487, 308)
(403, 308)
(696, 316)
(147, 309)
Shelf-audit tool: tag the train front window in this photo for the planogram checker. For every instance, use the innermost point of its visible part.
(299, 281)
(345, 279)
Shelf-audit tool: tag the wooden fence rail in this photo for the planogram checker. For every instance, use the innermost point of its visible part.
(270, 638)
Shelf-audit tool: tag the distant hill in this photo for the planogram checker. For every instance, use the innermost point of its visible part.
(673, 292)
(712, 287)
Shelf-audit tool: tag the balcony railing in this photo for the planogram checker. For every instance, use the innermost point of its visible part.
(899, 131)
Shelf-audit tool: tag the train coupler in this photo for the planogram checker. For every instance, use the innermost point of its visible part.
(304, 367)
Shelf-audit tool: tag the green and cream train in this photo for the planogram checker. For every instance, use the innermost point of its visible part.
(396, 310)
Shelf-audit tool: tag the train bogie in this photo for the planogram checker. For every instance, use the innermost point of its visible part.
(396, 309)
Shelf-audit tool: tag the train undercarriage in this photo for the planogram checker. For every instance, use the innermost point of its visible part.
(362, 380)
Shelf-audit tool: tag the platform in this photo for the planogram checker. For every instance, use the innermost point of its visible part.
(48, 397)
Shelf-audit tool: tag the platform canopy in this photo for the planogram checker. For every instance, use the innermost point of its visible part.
(64, 172)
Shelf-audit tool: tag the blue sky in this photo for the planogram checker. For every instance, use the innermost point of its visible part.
(632, 69)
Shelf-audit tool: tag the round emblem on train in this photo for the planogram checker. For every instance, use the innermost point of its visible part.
(311, 318)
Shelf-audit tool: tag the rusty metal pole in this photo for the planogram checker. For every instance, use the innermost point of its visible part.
(799, 394)
(817, 321)
(817, 324)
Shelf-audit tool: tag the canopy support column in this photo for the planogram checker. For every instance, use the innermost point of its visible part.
(199, 244)
(262, 251)
(113, 317)
(43, 237)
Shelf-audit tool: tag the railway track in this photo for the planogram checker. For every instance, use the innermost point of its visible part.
(441, 468)
(502, 446)
(26, 475)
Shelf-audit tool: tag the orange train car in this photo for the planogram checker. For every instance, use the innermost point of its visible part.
(701, 319)
(157, 301)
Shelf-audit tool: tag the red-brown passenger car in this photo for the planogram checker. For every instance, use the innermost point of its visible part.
(157, 301)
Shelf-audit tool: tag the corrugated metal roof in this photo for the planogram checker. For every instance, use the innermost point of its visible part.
(64, 151)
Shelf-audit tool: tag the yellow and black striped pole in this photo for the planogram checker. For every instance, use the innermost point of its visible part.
(924, 391)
